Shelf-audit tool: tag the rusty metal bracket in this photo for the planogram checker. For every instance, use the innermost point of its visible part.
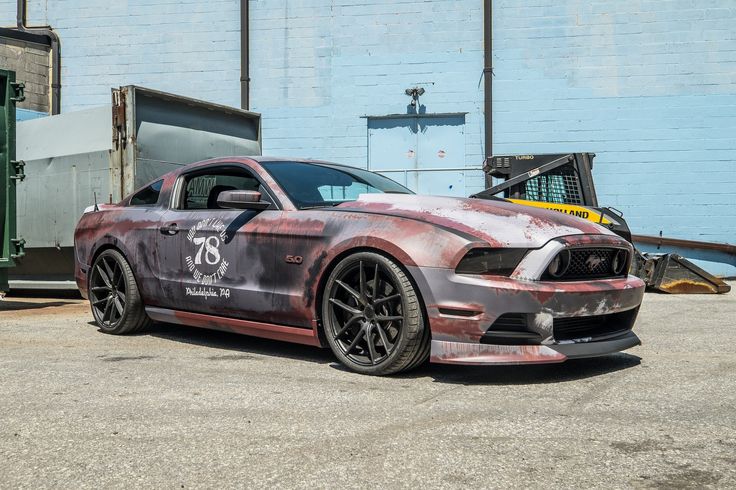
(19, 166)
(20, 248)
(19, 89)
(118, 119)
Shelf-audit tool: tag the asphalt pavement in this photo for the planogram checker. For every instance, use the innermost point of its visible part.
(179, 407)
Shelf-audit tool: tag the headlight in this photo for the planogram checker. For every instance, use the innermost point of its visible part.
(495, 261)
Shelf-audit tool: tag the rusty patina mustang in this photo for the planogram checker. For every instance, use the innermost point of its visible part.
(330, 255)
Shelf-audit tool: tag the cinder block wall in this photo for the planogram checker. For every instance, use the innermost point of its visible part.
(30, 62)
(649, 85)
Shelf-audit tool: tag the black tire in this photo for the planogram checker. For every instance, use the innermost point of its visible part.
(114, 297)
(372, 316)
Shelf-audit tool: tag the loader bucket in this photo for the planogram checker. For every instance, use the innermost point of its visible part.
(674, 274)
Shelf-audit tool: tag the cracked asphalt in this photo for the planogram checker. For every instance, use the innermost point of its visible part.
(179, 407)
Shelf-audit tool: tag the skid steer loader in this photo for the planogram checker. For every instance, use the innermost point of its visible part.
(564, 183)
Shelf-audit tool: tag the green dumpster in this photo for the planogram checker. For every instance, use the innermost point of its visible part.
(11, 172)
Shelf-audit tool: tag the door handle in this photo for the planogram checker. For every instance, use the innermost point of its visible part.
(171, 229)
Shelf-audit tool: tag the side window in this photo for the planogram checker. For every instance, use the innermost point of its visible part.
(148, 196)
(201, 190)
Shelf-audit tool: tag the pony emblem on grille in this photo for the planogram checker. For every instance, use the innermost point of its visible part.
(593, 261)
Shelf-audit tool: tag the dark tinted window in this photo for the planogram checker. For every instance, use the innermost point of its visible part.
(201, 190)
(147, 196)
(317, 185)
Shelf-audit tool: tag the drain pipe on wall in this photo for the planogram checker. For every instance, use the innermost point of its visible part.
(244, 59)
(488, 75)
(44, 35)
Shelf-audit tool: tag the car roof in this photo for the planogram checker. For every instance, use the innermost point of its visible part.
(273, 159)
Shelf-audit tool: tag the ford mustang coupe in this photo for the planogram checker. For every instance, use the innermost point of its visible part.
(330, 255)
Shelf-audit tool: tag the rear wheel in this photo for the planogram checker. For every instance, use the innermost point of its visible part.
(113, 294)
(372, 316)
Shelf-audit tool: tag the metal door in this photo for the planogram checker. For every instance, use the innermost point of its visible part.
(425, 152)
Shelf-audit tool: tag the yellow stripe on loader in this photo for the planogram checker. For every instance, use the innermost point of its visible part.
(571, 209)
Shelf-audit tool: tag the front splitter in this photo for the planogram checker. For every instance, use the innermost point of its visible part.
(466, 353)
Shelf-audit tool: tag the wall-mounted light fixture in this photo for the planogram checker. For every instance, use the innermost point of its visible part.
(414, 93)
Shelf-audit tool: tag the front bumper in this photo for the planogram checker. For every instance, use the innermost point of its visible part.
(461, 309)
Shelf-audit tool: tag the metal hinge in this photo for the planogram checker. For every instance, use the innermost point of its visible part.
(20, 248)
(19, 89)
(118, 118)
(19, 166)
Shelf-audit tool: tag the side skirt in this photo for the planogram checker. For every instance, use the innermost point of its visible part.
(245, 327)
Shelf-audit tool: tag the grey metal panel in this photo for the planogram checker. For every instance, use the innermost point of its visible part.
(56, 191)
(161, 148)
(64, 134)
(67, 160)
(168, 130)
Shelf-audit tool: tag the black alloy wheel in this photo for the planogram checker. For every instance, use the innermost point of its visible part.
(114, 296)
(373, 319)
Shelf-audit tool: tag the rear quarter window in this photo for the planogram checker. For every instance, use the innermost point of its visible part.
(147, 196)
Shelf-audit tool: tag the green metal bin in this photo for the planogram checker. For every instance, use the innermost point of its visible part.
(11, 172)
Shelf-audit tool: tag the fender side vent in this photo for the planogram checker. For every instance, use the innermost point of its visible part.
(456, 312)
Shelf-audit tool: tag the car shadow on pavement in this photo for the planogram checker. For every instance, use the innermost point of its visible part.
(9, 305)
(572, 370)
(245, 344)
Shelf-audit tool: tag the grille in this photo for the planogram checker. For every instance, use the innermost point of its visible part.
(591, 263)
(579, 327)
(582, 265)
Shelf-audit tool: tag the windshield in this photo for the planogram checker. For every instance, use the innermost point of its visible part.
(311, 185)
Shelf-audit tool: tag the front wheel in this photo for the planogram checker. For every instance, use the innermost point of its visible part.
(113, 294)
(372, 316)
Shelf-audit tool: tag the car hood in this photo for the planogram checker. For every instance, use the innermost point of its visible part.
(500, 223)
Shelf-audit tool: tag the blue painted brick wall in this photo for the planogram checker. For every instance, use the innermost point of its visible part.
(191, 47)
(319, 67)
(649, 85)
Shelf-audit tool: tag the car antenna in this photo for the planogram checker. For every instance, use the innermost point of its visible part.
(96, 207)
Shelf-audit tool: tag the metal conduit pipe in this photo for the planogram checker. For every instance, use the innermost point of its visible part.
(244, 58)
(488, 74)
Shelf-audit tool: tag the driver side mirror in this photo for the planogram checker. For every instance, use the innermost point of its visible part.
(241, 200)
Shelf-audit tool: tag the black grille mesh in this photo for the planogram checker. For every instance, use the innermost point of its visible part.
(571, 328)
(590, 263)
